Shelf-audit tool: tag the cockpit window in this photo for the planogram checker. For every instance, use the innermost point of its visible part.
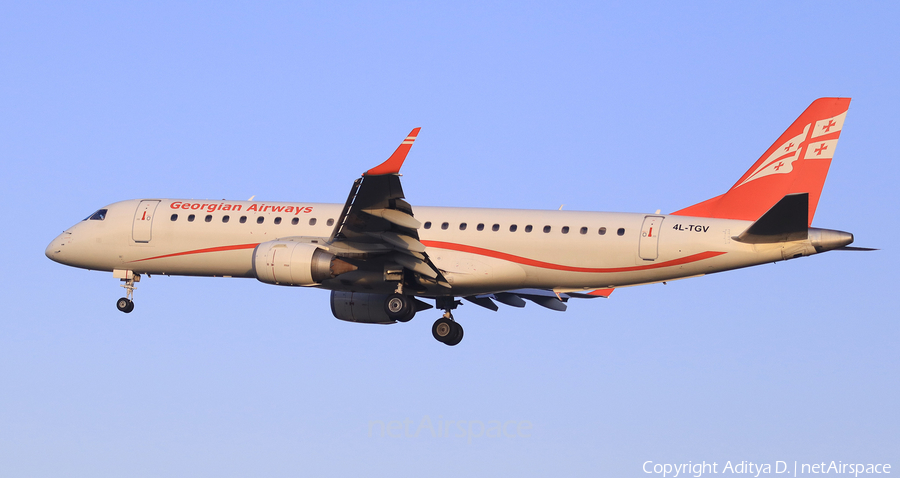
(97, 216)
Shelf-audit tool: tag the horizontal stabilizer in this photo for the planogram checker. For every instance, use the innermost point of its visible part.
(783, 222)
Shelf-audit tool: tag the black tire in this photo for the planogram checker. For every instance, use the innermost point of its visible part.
(443, 330)
(409, 316)
(125, 305)
(399, 307)
(457, 334)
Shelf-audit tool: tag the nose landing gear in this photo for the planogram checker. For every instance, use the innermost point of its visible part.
(126, 304)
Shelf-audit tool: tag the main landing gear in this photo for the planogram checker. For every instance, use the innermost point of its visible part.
(446, 330)
(399, 307)
(125, 304)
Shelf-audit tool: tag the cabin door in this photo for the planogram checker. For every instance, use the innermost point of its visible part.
(143, 220)
(649, 247)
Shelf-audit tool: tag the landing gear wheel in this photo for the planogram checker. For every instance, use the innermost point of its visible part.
(399, 307)
(457, 336)
(447, 331)
(125, 305)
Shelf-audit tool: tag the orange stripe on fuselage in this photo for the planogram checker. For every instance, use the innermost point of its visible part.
(201, 251)
(559, 267)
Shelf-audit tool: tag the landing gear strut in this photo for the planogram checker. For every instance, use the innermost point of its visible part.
(446, 330)
(125, 304)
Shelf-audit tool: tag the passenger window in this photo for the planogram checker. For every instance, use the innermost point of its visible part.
(583, 230)
(445, 225)
(565, 229)
(174, 217)
(260, 220)
(513, 228)
(312, 222)
(495, 227)
(427, 224)
(621, 231)
(528, 228)
(462, 226)
(329, 222)
(546, 228)
(480, 227)
(208, 218)
(295, 221)
(225, 218)
(277, 220)
(243, 219)
(602, 231)
(191, 218)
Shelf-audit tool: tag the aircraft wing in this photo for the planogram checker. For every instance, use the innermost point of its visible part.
(377, 217)
(549, 299)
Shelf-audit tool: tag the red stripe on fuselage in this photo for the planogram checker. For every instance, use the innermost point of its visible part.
(490, 253)
(201, 251)
(559, 267)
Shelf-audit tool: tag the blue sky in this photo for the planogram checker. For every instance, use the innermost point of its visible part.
(526, 105)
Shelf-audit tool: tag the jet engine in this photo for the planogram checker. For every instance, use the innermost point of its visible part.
(296, 263)
(360, 307)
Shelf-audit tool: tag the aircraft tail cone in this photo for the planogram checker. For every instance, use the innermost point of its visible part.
(829, 239)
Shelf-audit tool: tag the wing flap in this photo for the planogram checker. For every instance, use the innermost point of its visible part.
(395, 216)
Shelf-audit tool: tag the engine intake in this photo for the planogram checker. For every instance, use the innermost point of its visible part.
(295, 264)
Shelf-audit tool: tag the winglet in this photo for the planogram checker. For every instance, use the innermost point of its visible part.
(393, 164)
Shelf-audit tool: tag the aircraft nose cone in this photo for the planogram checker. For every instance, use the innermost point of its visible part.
(55, 249)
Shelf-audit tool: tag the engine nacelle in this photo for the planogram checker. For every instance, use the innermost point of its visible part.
(292, 263)
(360, 307)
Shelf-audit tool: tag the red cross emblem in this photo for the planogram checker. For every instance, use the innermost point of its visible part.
(780, 164)
(828, 126)
(821, 148)
(789, 146)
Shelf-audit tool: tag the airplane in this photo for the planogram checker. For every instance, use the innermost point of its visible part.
(382, 259)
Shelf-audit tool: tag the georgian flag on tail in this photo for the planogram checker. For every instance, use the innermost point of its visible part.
(796, 163)
(829, 125)
(782, 159)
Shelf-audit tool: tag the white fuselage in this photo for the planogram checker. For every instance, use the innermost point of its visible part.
(496, 250)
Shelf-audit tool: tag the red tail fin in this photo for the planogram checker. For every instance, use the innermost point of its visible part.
(796, 163)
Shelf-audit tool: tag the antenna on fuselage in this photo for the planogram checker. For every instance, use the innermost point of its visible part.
(251, 197)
